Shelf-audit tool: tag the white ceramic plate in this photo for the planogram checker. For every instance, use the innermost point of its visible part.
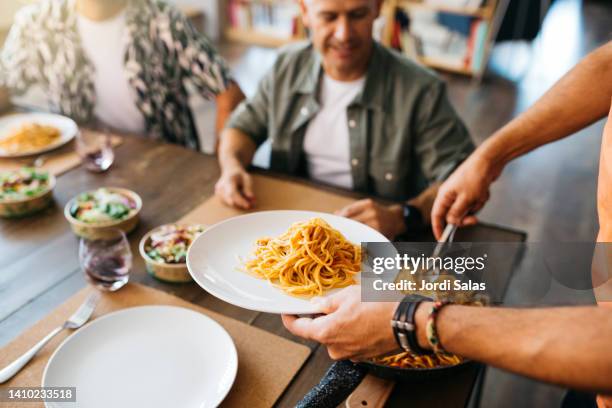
(11, 123)
(149, 356)
(214, 258)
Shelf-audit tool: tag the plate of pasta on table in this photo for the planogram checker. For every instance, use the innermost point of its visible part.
(34, 133)
(277, 261)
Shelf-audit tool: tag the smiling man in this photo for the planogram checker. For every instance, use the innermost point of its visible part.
(345, 111)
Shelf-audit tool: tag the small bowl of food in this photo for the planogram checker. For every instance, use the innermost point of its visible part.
(95, 214)
(164, 250)
(25, 191)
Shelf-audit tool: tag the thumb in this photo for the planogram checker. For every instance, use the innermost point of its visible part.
(325, 305)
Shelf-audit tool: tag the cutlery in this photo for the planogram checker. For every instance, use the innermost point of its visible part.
(40, 160)
(447, 237)
(78, 319)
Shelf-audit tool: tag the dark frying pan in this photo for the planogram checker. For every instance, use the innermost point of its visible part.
(344, 376)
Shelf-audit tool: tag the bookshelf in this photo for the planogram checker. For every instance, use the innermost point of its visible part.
(268, 23)
(472, 59)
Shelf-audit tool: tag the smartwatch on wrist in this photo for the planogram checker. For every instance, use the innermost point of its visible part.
(413, 219)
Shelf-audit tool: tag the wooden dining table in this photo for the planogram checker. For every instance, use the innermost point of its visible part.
(40, 268)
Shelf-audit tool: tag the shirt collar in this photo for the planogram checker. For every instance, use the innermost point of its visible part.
(374, 89)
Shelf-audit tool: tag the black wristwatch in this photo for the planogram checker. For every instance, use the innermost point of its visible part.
(413, 219)
(404, 328)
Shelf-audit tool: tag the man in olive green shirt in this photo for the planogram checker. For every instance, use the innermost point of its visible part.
(395, 137)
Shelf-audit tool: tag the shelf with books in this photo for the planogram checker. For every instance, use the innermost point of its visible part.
(267, 23)
(478, 11)
(450, 35)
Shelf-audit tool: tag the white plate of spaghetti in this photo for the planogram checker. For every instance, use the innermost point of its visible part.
(34, 133)
(276, 261)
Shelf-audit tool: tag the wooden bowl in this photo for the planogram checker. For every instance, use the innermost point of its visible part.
(173, 273)
(104, 230)
(30, 205)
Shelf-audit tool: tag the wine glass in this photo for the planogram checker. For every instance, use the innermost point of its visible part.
(106, 261)
(95, 149)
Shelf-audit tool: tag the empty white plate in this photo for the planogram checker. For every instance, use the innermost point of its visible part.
(11, 123)
(214, 258)
(149, 356)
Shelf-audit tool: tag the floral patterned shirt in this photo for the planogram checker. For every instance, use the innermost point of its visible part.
(163, 52)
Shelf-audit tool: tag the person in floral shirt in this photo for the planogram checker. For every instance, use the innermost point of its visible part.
(124, 63)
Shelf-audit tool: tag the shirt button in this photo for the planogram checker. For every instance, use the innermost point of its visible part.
(355, 162)
(388, 176)
(304, 111)
(352, 123)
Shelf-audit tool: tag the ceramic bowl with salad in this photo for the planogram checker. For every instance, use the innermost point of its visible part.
(164, 250)
(95, 214)
(25, 191)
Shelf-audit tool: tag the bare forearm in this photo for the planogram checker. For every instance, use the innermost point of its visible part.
(578, 99)
(235, 149)
(226, 103)
(565, 346)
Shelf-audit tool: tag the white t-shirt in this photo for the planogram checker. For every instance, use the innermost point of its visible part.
(104, 44)
(326, 143)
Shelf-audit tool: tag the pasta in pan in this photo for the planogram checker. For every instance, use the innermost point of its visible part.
(409, 360)
(308, 259)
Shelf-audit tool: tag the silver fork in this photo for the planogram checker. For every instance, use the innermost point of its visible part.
(78, 319)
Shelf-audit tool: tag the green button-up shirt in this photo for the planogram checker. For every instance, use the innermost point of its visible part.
(404, 133)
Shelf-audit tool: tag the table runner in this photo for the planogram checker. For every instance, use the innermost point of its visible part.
(56, 162)
(271, 194)
(266, 362)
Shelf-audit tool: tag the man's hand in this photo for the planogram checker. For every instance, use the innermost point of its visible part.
(235, 188)
(465, 192)
(388, 220)
(350, 329)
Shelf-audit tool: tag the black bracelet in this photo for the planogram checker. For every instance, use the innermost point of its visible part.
(398, 317)
(404, 329)
(412, 335)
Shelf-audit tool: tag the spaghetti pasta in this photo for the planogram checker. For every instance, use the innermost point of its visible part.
(308, 259)
(30, 137)
(409, 360)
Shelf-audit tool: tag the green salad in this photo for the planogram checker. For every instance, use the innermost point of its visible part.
(169, 244)
(101, 205)
(22, 184)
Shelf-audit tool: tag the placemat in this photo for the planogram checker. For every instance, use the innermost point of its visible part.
(271, 194)
(266, 362)
(56, 162)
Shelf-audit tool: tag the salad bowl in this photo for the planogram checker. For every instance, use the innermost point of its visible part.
(164, 250)
(95, 214)
(25, 191)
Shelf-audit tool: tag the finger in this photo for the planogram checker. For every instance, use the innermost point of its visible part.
(300, 328)
(365, 217)
(235, 196)
(355, 208)
(225, 196)
(469, 221)
(247, 187)
(239, 200)
(326, 305)
(442, 204)
(458, 210)
(306, 327)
